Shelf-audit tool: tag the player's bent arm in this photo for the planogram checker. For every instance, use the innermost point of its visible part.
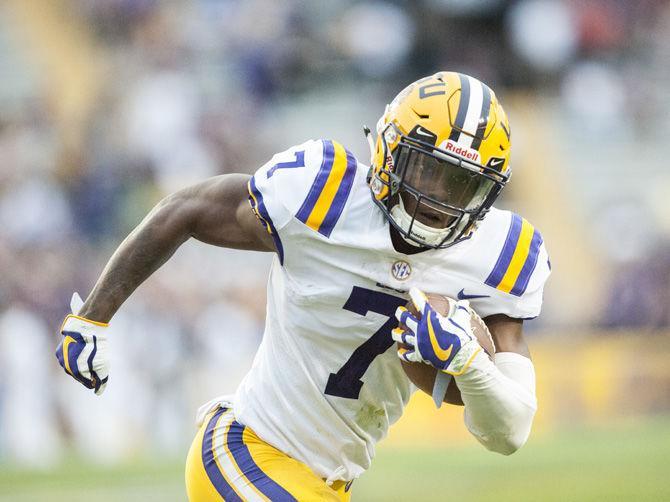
(499, 397)
(507, 334)
(215, 211)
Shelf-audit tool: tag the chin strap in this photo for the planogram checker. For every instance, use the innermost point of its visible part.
(426, 234)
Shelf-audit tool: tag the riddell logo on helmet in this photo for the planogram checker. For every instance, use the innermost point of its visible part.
(389, 163)
(461, 151)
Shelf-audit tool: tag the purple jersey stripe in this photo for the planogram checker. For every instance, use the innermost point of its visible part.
(319, 183)
(259, 206)
(240, 453)
(505, 257)
(215, 475)
(529, 266)
(341, 197)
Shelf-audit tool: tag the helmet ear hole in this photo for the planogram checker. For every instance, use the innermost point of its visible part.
(424, 117)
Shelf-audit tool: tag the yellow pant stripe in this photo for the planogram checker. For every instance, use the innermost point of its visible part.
(243, 459)
(199, 488)
(216, 443)
(294, 476)
(230, 456)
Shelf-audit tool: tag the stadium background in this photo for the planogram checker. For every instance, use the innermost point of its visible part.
(107, 105)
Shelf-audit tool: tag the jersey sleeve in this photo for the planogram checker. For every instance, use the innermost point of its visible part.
(520, 272)
(309, 182)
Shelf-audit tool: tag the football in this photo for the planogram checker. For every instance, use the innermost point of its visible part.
(422, 375)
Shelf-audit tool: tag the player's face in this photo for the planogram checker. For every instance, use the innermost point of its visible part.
(446, 187)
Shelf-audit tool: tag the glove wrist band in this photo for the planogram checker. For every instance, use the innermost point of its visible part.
(90, 321)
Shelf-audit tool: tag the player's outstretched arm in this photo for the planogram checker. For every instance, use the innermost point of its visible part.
(215, 211)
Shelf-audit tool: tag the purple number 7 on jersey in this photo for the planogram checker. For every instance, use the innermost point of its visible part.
(347, 381)
(298, 162)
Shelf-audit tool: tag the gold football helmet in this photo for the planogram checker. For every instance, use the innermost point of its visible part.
(440, 158)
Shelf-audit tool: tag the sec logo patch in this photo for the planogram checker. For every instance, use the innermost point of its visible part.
(401, 270)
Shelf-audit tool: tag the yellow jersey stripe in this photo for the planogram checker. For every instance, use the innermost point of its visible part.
(518, 258)
(330, 188)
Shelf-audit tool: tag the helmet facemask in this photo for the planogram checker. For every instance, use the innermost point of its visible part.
(434, 197)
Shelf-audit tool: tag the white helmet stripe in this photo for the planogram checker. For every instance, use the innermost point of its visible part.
(472, 115)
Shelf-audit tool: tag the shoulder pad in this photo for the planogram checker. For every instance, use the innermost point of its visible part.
(310, 182)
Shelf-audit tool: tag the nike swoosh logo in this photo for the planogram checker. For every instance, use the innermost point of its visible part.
(463, 296)
(496, 162)
(66, 352)
(423, 132)
(441, 353)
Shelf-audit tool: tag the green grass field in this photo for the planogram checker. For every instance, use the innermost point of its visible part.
(613, 463)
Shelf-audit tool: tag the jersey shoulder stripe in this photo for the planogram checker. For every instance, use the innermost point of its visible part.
(261, 212)
(328, 194)
(518, 258)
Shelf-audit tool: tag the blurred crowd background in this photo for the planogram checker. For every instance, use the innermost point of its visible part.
(108, 105)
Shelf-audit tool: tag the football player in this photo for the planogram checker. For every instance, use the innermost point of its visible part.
(350, 242)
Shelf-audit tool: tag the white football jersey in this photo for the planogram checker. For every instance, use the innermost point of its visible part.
(326, 383)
